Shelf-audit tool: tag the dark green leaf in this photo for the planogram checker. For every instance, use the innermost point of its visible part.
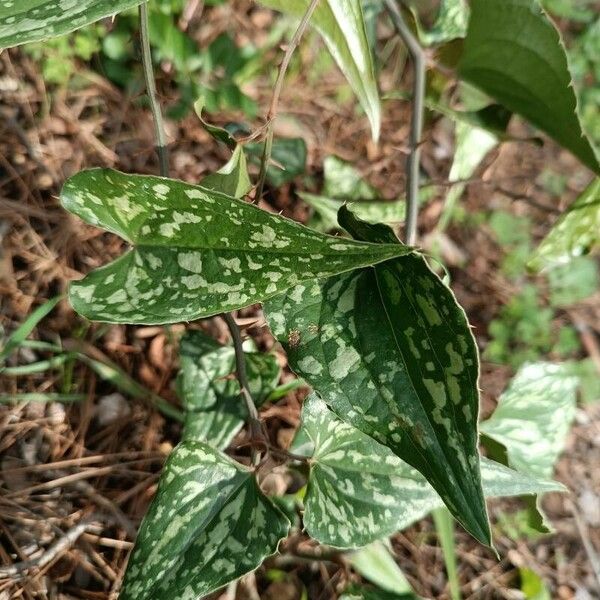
(533, 416)
(359, 491)
(196, 252)
(208, 525)
(391, 352)
(341, 24)
(24, 21)
(514, 53)
(288, 158)
(209, 391)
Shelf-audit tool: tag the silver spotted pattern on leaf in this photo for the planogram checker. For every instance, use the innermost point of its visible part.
(209, 391)
(208, 524)
(391, 352)
(196, 252)
(24, 21)
(359, 491)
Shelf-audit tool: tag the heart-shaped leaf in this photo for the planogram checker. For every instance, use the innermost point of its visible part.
(359, 491)
(342, 26)
(24, 21)
(196, 252)
(391, 352)
(209, 391)
(208, 525)
(514, 53)
(533, 416)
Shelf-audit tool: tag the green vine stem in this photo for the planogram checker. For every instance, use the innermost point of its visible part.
(273, 107)
(159, 128)
(416, 123)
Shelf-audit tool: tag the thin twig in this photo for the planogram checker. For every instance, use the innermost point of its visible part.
(60, 546)
(416, 122)
(159, 130)
(242, 376)
(273, 107)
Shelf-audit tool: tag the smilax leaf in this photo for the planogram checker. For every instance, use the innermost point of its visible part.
(390, 351)
(24, 21)
(359, 491)
(209, 391)
(514, 53)
(208, 524)
(196, 252)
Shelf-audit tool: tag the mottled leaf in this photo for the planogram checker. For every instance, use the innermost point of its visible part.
(342, 26)
(533, 416)
(210, 392)
(450, 23)
(324, 217)
(343, 183)
(576, 232)
(24, 21)
(514, 53)
(232, 178)
(391, 352)
(208, 524)
(196, 252)
(359, 491)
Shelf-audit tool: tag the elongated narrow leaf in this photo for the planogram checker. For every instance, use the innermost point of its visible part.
(391, 352)
(514, 53)
(363, 592)
(24, 21)
(533, 416)
(575, 233)
(210, 393)
(208, 525)
(196, 252)
(359, 491)
(342, 26)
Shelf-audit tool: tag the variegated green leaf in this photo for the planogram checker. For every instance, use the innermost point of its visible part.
(324, 217)
(576, 232)
(514, 53)
(210, 392)
(359, 491)
(208, 524)
(533, 416)
(196, 252)
(450, 24)
(24, 21)
(343, 183)
(342, 26)
(391, 352)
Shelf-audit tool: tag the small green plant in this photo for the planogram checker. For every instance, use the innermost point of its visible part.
(390, 431)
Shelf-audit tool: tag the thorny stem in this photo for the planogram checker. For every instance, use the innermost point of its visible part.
(159, 129)
(242, 376)
(416, 123)
(272, 114)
